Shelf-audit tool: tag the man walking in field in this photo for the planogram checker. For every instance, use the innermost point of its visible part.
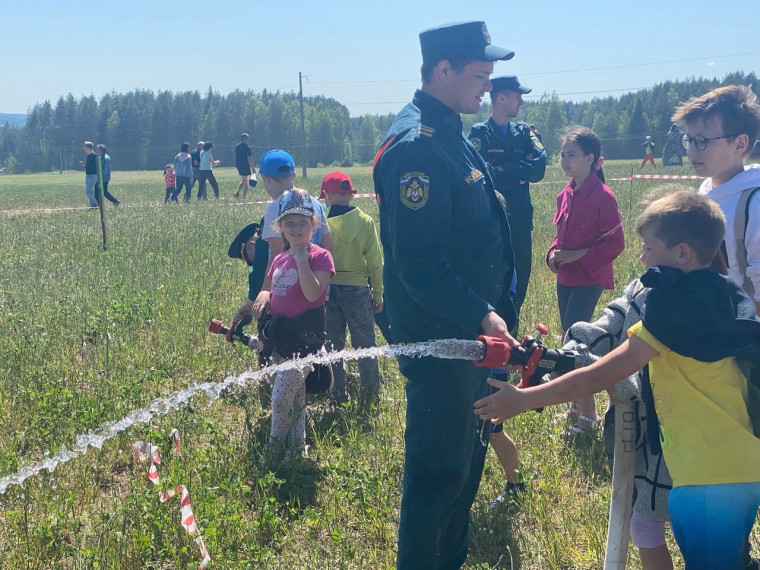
(90, 174)
(244, 165)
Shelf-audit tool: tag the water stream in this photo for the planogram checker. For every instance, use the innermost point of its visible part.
(447, 348)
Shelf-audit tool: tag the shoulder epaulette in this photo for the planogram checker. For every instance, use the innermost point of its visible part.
(425, 131)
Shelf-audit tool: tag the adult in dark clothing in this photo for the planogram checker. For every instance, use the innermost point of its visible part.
(448, 263)
(518, 158)
(195, 156)
(244, 165)
(673, 151)
(106, 172)
(90, 166)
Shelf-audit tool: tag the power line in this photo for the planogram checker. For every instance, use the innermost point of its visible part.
(539, 73)
(641, 64)
(524, 96)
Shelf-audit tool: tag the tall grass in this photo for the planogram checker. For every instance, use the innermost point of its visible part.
(92, 334)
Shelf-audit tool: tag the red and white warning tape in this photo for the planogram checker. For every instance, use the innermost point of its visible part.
(144, 450)
(656, 177)
(667, 176)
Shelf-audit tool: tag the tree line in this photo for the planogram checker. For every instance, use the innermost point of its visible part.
(143, 129)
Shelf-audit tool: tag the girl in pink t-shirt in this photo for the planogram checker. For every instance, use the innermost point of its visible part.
(170, 183)
(589, 238)
(300, 276)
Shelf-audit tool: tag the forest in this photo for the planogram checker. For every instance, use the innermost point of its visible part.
(144, 130)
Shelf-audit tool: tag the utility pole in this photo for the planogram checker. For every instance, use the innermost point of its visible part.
(303, 128)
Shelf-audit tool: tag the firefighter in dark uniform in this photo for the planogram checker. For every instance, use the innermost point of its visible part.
(448, 262)
(518, 158)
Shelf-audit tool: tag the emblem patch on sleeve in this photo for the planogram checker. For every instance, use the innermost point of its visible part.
(476, 143)
(415, 187)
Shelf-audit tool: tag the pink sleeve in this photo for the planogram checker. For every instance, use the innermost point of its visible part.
(555, 221)
(322, 261)
(611, 241)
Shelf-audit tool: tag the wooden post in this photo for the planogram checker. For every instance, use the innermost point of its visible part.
(621, 503)
(630, 195)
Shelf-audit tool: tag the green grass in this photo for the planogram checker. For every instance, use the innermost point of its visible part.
(92, 334)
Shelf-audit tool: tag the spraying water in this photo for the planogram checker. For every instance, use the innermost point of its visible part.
(447, 348)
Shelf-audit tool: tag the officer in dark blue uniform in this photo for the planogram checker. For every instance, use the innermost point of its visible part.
(518, 158)
(448, 263)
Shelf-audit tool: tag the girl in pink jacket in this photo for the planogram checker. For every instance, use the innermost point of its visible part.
(589, 238)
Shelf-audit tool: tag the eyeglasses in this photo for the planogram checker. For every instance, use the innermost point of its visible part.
(700, 142)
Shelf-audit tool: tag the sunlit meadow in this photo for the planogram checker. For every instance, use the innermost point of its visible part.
(91, 334)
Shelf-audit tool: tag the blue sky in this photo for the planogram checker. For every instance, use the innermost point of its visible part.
(366, 55)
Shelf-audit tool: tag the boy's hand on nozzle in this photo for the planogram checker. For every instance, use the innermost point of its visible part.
(500, 405)
(378, 307)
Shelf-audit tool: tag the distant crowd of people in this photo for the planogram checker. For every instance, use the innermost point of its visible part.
(198, 165)
(187, 168)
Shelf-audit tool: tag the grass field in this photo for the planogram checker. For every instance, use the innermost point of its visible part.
(90, 335)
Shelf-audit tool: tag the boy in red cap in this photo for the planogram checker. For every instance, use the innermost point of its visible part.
(351, 301)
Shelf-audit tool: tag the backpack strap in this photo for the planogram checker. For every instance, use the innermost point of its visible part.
(740, 229)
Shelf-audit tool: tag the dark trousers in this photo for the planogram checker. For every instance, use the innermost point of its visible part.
(196, 176)
(520, 227)
(577, 303)
(182, 181)
(106, 194)
(203, 177)
(351, 306)
(443, 462)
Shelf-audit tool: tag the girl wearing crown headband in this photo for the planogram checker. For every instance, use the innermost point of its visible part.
(300, 276)
(589, 238)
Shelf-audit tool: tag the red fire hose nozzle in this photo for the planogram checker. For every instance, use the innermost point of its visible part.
(216, 326)
(496, 352)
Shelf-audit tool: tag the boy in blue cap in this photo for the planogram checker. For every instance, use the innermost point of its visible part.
(448, 265)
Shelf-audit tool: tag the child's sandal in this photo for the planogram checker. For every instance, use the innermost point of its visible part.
(582, 426)
(570, 415)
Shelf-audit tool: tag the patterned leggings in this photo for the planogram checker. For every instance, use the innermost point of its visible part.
(289, 411)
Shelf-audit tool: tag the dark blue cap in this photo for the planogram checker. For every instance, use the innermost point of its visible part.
(508, 83)
(468, 39)
(238, 249)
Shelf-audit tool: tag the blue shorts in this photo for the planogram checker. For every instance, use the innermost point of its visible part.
(711, 523)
